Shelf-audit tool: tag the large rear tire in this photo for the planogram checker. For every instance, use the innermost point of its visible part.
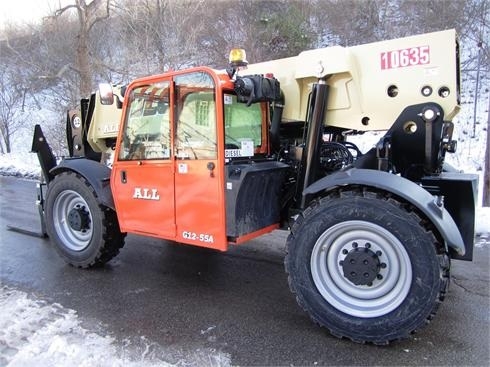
(85, 233)
(365, 266)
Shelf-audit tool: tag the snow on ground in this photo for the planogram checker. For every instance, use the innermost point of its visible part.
(22, 164)
(482, 225)
(37, 333)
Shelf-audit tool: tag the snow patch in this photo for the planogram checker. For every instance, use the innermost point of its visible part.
(22, 164)
(482, 222)
(36, 333)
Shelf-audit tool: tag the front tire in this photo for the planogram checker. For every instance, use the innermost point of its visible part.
(85, 233)
(364, 266)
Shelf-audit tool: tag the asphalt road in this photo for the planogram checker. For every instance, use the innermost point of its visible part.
(236, 302)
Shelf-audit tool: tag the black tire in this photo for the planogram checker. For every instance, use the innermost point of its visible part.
(85, 233)
(400, 284)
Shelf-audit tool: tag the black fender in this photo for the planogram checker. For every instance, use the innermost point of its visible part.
(401, 187)
(97, 174)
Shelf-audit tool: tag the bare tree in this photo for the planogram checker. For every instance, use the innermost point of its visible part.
(260, 27)
(160, 34)
(351, 22)
(12, 116)
(486, 174)
(88, 14)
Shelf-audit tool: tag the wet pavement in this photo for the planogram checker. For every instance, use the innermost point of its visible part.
(237, 303)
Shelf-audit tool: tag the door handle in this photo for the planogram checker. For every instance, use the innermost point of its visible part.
(210, 166)
(123, 177)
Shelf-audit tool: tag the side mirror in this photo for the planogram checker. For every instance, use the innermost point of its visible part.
(106, 95)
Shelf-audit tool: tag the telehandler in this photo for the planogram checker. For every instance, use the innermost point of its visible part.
(215, 158)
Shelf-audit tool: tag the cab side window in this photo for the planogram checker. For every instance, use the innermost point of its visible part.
(147, 130)
(242, 122)
(195, 132)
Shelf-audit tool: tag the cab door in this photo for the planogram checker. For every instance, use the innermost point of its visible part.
(142, 178)
(199, 188)
(166, 179)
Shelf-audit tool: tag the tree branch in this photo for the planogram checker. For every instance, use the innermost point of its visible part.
(58, 12)
(99, 18)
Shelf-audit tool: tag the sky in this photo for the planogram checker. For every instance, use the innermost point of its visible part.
(18, 12)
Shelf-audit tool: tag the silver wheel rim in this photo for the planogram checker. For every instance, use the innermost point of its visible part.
(71, 238)
(384, 295)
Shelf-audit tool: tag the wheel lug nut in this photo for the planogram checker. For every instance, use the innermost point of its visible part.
(366, 275)
(383, 266)
(379, 276)
(354, 244)
(341, 262)
(345, 252)
(370, 284)
(379, 253)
